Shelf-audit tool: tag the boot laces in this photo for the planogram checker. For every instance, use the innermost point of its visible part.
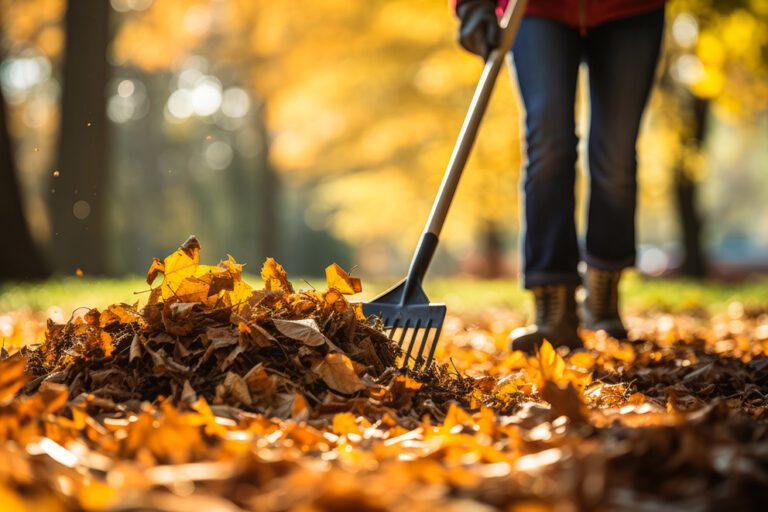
(604, 292)
(550, 305)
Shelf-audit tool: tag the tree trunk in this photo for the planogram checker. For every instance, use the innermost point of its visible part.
(493, 251)
(686, 193)
(268, 194)
(79, 209)
(20, 257)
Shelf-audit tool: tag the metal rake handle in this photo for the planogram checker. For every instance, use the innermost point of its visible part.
(510, 23)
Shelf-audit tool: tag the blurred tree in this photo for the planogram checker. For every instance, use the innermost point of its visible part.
(365, 101)
(346, 115)
(233, 204)
(694, 262)
(79, 202)
(717, 57)
(19, 258)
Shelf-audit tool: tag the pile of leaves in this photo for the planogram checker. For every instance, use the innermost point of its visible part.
(219, 396)
(206, 334)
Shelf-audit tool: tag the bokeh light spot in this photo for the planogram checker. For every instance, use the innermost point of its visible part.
(81, 209)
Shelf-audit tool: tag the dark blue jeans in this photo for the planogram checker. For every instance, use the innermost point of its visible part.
(621, 56)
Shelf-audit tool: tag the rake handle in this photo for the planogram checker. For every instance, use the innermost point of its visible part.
(510, 22)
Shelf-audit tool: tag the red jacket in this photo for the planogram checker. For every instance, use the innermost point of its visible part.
(583, 13)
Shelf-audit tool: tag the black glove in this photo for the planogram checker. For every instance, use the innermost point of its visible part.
(479, 27)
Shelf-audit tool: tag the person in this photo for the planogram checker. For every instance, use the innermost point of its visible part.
(619, 41)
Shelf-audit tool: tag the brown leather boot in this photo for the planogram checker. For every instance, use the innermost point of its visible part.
(556, 320)
(601, 307)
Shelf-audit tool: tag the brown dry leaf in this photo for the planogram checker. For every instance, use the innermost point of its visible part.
(339, 280)
(305, 331)
(402, 388)
(256, 334)
(135, 350)
(274, 277)
(338, 372)
(188, 394)
(565, 401)
(178, 318)
(261, 385)
(221, 337)
(235, 386)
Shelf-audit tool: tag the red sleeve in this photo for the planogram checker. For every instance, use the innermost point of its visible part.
(502, 4)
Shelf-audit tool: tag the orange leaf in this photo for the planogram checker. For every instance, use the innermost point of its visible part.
(12, 376)
(274, 277)
(299, 408)
(341, 281)
(551, 365)
(344, 423)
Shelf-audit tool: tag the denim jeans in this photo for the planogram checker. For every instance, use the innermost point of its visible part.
(621, 57)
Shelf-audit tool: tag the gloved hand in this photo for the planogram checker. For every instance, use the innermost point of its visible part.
(479, 28)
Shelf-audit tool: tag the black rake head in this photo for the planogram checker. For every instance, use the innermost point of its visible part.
(410, 320)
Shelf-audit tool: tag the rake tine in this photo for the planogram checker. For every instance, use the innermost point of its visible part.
(403, 333)
(423, 343)
(391, 329)
(413, 339)
(434, 346)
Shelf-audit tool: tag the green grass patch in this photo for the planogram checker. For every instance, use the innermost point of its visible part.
(460, 293)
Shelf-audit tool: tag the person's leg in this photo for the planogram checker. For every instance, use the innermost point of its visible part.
(547, 56)
(622, 59)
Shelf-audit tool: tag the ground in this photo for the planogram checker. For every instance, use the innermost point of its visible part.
(675, 420)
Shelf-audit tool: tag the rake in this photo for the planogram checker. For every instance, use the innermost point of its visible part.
(404, 309)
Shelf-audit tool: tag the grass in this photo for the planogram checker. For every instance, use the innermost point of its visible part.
(460, 293)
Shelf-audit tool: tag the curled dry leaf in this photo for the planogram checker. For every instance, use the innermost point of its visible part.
(305, 331)
(338, 372)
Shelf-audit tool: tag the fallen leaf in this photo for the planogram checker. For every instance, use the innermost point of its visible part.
(176, 267)
(274, 277)
(305, 331)
(12, 376)
(339, 280)
(338, 372)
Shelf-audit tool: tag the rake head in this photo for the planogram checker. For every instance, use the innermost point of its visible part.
(411, 320)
